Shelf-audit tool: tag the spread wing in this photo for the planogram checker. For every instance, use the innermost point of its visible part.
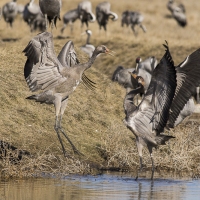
(68, 56)
(160, 93)
(42, 69)
(188, 78)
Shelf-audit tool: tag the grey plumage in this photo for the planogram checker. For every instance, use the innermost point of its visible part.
(38, 23)
(85, 13)
(122, 76)
(178, 12)
(31, 10)
(169, 90)
(69, 18)
(103, 13)
(51, 11)
(143, 68)
(130, 18)
(57, 78)
(9, 11)
(88, 48)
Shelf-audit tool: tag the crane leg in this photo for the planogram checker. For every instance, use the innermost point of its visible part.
(143, 28)
(60, 107)
(52, 25)
(140, 147)
(133, 28)
(60, 140)
(152, 162)
(46, 21)
(63, 28)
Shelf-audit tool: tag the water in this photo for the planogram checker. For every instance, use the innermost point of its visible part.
(102, 187)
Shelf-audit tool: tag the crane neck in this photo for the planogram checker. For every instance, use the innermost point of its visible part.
(129, 105)
(91, 60)
(88, 39)
(31, 2)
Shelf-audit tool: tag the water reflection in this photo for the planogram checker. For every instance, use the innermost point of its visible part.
(103, 187)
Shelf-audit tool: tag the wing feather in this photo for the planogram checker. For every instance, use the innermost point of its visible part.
(67, 55)
(161, 92)
(42, 69)
(188, 78)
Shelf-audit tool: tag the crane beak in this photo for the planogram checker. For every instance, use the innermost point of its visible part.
(108, 51)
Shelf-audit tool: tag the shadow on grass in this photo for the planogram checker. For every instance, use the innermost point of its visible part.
(60, 37)
(10, 39)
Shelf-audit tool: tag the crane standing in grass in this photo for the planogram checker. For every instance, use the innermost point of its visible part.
(178, 12)
(56, 77)
(9, 11)
(69, 18)
(132, 19)
(30, 13)
(85, 13)
(169, 90)
(51, 11)
(103, 13)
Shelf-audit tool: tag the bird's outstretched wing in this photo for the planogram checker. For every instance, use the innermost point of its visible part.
(42, 69)
(188, 78)
(68, 56)
(160, 92)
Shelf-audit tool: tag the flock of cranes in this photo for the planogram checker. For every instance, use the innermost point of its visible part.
(166, 91)
(32, 14)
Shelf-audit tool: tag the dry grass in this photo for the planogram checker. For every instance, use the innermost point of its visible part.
(93, 119)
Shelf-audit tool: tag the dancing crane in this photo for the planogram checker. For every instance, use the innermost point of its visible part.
(57, 78)
(169, 90)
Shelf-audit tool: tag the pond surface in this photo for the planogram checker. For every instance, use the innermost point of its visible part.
(101, 187)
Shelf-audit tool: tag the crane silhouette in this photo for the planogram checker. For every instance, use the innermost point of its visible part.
(169, 90)
(103, 13)
(85, 13)
(178, 12)
(51, 11)
(133, 18)
(9, 11)
(57, 77)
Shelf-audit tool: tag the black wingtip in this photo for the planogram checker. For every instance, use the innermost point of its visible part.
(167, 54)
(166, 45)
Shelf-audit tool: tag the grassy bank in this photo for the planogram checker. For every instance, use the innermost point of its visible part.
(93, 119)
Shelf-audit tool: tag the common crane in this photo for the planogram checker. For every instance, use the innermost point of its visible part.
(51, 11)
(122, 76)
(145, 69)
(169, 90)
(31, 10)
(88, 48)
(103, 13)
(9, 11)
(178, 12)
(57, 78)
(69, 18)
(132, 19)
(85, 13)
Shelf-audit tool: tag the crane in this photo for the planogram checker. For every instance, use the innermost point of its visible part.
(169, 90)
(55, 77)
